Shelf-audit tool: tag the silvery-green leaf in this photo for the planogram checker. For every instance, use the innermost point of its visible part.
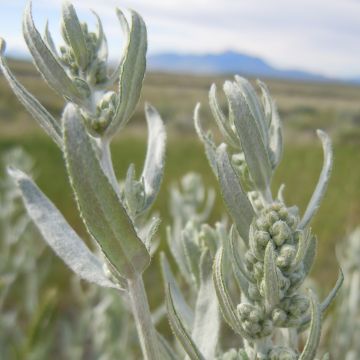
(49, 40)
(74, 34)
(267, 101)
(323, 180)
(276, 138)
(310, 255)
(33, 106)
(241, 275)
(58, 233)
(182, 307)
(173, 239)
(222, 122)
(249, 93)
(191, 250)
(313, 339)
(102, 47)
(235, 198)
(303, 243)
(99, 204)
(179, 329)
(226, 304)
(45, 61)
(149, 231)
(271, 280)
(126, 30)
(206, 327)
(255, 150)
(210, 147)
(155, 155)
(327, 302)
(131, 74)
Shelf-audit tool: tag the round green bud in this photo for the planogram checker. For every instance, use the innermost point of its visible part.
(280, 232)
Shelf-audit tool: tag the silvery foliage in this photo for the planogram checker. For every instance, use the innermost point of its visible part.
(270, 247)
(345, 328)
(193, 245)
(92, 116)
(21, 266)
(103, 328)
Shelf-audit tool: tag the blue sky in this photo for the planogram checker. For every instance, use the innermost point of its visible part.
(321, 36)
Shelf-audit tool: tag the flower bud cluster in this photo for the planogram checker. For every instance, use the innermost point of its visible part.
(104, 113)
(278, 225)
(254, 320)
(95, 70)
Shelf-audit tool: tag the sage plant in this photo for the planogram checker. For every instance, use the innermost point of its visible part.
(79, 72)
(270, 246)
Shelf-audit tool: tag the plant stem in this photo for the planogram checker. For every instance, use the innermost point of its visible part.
(145, 328)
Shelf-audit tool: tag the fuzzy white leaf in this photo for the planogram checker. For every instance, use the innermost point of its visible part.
(74, 34)
(179, 329)
(222, 122)
(321, 186)
(234, 196)
(227, 306)
(313, 339)
(100, 206)
(131, 74)
(254, 104)
(272, 286)
(155, 155)
(206, 328)
(58, 234)
(182, 307)
(210, 147)
(252, 143)
(33, 106)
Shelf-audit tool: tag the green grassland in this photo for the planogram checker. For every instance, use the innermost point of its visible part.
(304, 107)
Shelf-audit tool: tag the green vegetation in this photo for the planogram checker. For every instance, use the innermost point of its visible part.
(303, 107)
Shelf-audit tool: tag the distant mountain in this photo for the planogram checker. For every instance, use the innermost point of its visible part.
(227, 62)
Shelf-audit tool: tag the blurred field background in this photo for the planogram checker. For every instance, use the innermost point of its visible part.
(303, 107)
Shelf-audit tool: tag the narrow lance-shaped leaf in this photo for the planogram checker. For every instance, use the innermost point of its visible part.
(99, 204)
(58, 233)
(181, 305)
(252, 99)
(241, 275)
(210, 147)
(234, 196)
(33, 106)
(155, 155)
(101, 45)
(45, 61)
(74, 34)
(327, 302)
(49, 40)
(274, 124)
(226, 304)
(179, 330)
(131, 73)
(255, 151)
(206, 328)
(271, 280)
(126, 30)
(321, 186)
(222, 122)
(313, 339)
